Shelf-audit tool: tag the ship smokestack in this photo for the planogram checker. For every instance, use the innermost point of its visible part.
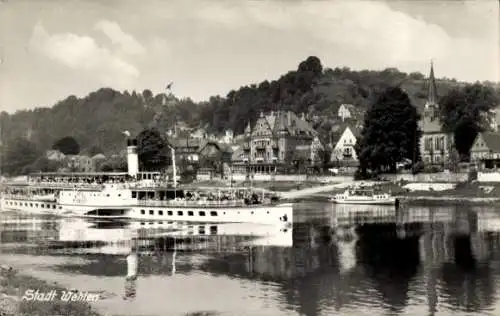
(132, 157)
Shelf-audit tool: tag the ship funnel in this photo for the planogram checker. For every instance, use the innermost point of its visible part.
(132, 157)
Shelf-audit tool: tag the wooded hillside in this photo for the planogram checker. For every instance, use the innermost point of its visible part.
(98, 120)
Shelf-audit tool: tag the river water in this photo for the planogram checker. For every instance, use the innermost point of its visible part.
(335, 260)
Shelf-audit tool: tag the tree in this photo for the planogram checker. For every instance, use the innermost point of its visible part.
(19, 154)
(94, 150)
(67, 145)
(152, 150)
(466, 112)
(43, 164)
(390, 133)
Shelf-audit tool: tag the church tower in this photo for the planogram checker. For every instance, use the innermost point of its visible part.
(435, 144)
(431, 108)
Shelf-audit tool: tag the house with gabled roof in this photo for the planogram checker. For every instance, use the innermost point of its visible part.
(274, 141)
(485, 150)
(343, 139)
(349, 111)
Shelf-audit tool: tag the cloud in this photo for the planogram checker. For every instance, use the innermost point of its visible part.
(369, 34)
(83, 53)
(117, 36)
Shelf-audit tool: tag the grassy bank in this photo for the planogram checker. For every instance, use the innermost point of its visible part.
(13, 287)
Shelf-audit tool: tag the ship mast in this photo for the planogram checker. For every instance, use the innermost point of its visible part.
(168, 88)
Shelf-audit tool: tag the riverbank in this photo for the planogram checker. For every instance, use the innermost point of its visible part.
(14, 285)
(461, 193)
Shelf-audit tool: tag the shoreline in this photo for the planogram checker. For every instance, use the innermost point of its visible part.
(14, 285)
(447, 200)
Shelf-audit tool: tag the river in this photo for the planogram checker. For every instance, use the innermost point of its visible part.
(335, 260)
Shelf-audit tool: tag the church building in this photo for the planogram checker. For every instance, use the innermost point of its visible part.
(435, 144)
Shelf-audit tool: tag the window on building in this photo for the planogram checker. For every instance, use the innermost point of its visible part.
(428, 144)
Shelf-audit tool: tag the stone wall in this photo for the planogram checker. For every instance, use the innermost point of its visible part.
(443, 177)
(428, 177)
(488, 176)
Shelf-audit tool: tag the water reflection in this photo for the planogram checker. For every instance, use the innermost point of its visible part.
(334, 260)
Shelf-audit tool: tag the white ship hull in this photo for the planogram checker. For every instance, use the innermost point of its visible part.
(353, 201)
(30, 206)
(263, 214)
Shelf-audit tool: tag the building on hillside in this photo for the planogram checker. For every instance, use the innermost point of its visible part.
(274, 142)
(195, 150)
(349, 111)
(80, 163)
(186, 148)
(485, 151)
(344, 138)
(55, 155)
(228, 137)
(494, 119)
(435, 144)
(199, 133)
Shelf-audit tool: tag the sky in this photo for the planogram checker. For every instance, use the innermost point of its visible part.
(50, 49)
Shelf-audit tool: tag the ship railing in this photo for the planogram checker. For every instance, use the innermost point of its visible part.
(199, 203)
(61, 185)
(21, 197)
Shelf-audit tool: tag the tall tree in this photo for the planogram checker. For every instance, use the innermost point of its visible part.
(465, 112)
(390, 133)
(17, 155)
(67, 145)
(152, 149)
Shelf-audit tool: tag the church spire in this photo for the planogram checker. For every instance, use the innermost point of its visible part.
(432, 98)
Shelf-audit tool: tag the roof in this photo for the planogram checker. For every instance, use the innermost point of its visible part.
(339, 129)
(185, 141)
(99, 156)
(492, 141)
(76, 174)
(287, 121)
(237, 154)
(432, 98)
(355, 111)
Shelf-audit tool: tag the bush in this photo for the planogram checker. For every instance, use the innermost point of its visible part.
(417, 167)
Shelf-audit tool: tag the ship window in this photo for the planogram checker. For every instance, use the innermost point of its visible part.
(60, 207)
(36, 205)
(142, 223)
(134, 194)
(251, 212)
(160, 223)
(170, 213)
(107, 194)
(160, 213)
(190, 213)
(31, 204)
(54, 206)
(43, 205)
(143, 212)
(151, 212)
(180, 213)
(119, 195)
(202, 213)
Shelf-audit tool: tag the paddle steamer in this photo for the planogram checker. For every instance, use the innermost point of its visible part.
(141, 196)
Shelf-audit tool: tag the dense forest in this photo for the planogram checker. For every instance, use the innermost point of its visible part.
(97, 121)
